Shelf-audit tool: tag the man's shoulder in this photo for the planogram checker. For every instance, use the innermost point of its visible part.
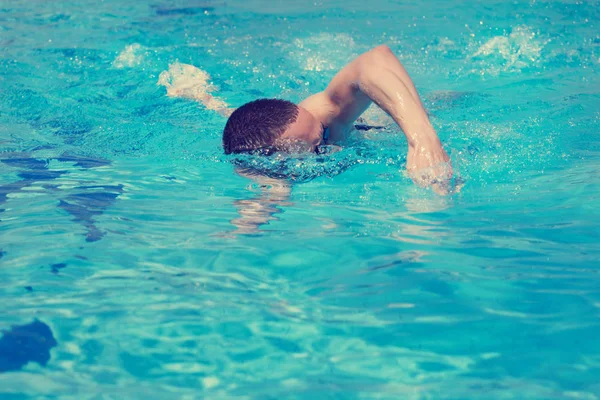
(321, 106)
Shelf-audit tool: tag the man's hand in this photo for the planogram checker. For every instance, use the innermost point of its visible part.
(429, 165)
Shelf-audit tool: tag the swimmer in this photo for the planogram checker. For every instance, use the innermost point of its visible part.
(273, 125)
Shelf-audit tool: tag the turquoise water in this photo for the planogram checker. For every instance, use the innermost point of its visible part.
(120, 257)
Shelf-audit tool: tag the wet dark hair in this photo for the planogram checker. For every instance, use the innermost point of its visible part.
(256, 125)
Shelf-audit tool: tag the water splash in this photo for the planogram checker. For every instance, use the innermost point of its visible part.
(190, 82)
(521, 49)
(296, 169)
(385, 151)
(130, 57)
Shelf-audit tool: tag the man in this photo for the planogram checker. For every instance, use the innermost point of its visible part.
(270, 125)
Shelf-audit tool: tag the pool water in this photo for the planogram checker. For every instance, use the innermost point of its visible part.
(125, 273)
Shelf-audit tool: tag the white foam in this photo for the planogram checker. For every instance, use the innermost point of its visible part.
(130, 57)
(522, 48)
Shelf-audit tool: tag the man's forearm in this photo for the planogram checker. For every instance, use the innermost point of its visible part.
(383, 79)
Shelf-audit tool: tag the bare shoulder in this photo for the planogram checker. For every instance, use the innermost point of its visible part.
(321, 106)
(343, 101)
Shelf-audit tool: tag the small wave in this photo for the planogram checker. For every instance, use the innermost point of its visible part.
(296, 169)
(306, 167)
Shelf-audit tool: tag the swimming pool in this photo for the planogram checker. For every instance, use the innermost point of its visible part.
(122, 273)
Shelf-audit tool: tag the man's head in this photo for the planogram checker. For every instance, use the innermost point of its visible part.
(271, 125)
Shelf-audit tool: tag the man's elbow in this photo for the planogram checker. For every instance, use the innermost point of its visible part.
(372, 63)
(379, 56)
(382, 49)
(375, 59)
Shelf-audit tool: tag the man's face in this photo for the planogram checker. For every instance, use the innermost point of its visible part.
(306, 133)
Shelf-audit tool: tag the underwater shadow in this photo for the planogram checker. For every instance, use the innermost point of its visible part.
(88, 202)
(26, 343)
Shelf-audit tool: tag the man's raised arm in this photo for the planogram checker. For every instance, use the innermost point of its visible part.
(379, 76)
